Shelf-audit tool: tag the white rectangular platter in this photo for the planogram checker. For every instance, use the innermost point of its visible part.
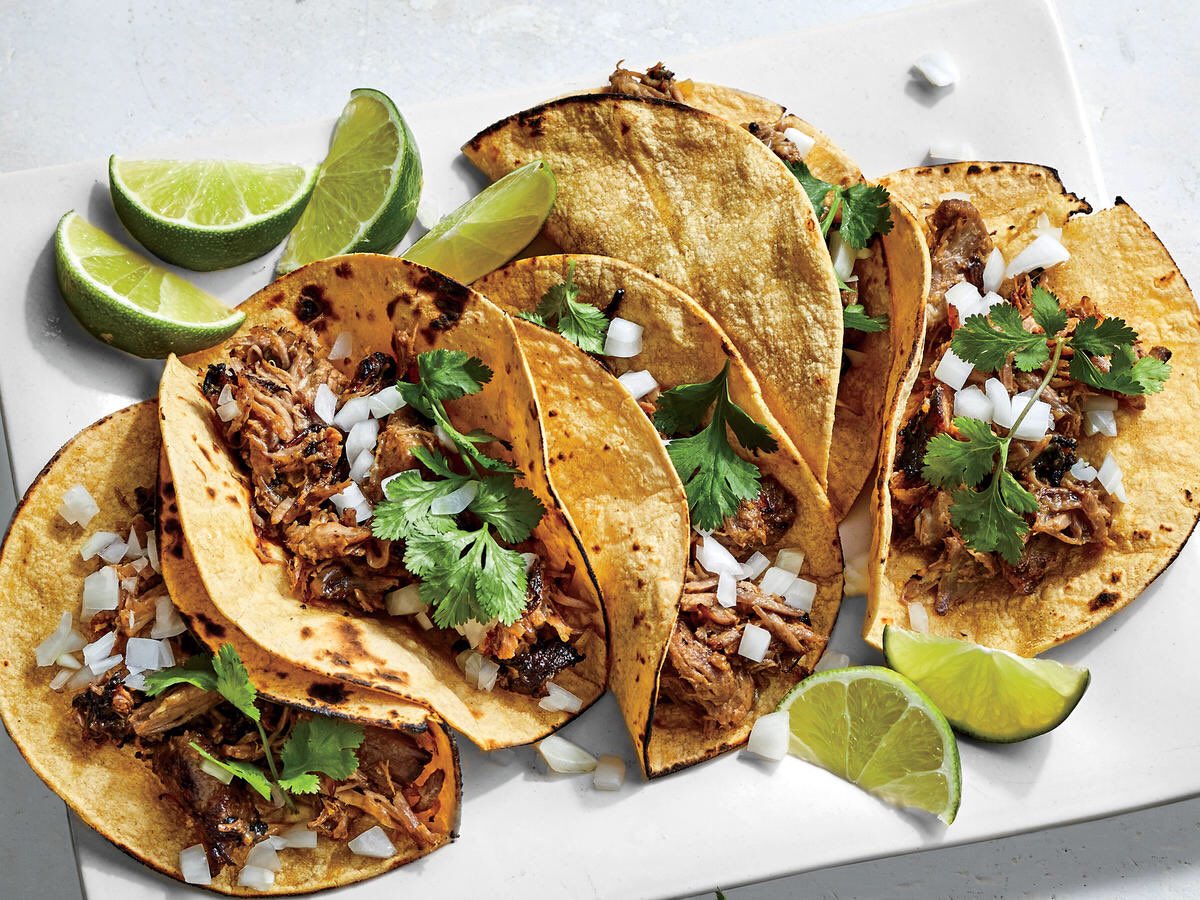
(733, 820)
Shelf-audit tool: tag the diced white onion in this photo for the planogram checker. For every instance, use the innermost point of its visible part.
(143, 653)
(560, 699)
(843, 256)
(1044, 227)
(424, 621)
(78, 506)
(754, 642)
(639, 383)
(831, 659)
(67, 661)
(226, 395)
(167, 622)
(264, 856)
(299, 837)
(800, 594)
(1083, 471)
(713, 556)
(355, 410)
(373, 842)
(444, 439)
(1036, 422)
(361, 467)
(193, 865)
(564, 757)
(101, 666)
(404, 601)
(135, 681)
(950, 151)
(790, 559)
(83, 677)
(100, 648)
(351, 497)
(1100, 401)
(488, 670)
(938, 68)
(1100, 421)
(139, 564)
(918, 617)
(972, 403)
(771, 735)
(362, 437)
(802, 141)
(1111, 477)
(152, 551)
(623, 338)
(965, 297)
(97, 542)
(114, 552)
(993, 271)
(60, 679)
(101, 590)
(222, 775)
(325, 404)
(167, 655)
(727, 590)
(1044, 252)
(755, 566)
(386, 402)
(56, 642)
(1002, 406)
(952, 370)
(776, 580)
(129, 585)
(260, 879)
(609, 774)
(456, 501)
(227, 412)
(990, 299)
(343, 346)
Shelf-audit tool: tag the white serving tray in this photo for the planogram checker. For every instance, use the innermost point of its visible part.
(733, 820)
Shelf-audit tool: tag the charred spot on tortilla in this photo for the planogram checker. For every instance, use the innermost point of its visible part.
(1103, 599)
(328, 692)
(343, 269)
(305, 632)
(312, 303)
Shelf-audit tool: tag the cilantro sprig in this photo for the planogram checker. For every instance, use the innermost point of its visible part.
(988, 504)
(865, 208)
(320, 745)
(464, 572)
(715, 477)
(855, 316)
(580, 323)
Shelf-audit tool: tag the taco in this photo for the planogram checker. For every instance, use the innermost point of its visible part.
(361, 474)
(126, 754)
(1036, 479)
(703, 642)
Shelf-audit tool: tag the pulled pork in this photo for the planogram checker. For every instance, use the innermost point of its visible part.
(657, 82)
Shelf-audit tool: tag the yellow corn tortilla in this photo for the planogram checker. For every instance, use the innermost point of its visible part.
(383, 302)
(1118, 262)
(706, 206)
(611, 470)
(41, 577)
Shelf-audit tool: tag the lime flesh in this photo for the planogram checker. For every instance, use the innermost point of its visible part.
(876, 729)
(368, 187)
(125, 300)
(490, 228)
(989, 694)
(208, 214)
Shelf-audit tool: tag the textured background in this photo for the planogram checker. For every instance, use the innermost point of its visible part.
(84, 79)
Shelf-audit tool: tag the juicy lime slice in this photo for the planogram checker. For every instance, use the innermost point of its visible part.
(490, 228)
(367, 190)
(877, 730)
(208, 214)
(989, 694)
(127, 301)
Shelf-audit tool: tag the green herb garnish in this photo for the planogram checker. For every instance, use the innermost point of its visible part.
(580, 323)
(715, 477)
(865, 208)
(855, 316)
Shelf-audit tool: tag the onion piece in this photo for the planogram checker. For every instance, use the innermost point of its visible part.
(97, 542)
(564, 757)
(1044, 252)
(264, 856)
(373, 842)
(55, 643)
(972, 403)
(937, 68)
(754, 642)
(918, 617)
(755, 566)
(1111, 477)
(60, 679)
(1083, 471)
(360, 469)
(144, 654)
(771, 735)
(1037, 421)
(776, 581)
(193, 865)
(609, 774)
(831, 659)
(81, 678)
(1043, 226)
(114, 552)
(299, 837)
(226, 395)
(712, 555)
(135, 681)
(343, 346)
(362, 437)
(325, 404)
(993, 271)
(257, 878)
(405, 601)
(639, 383)
(78, 506)
(802, 141)
(623, 338)
(102, 666)
(856, 357)
(222, 775)
(790, 559)
(134, 549)
(727, 590)
(474, 631)
(101, 591)
(843, 256)
(100, 648)
(485, 679)
(227, 412)
(444, 439)
(167, 622)
(355, 410)
(166, 654)
(424, 621)
(68, 661)
(386, 402)
(1002, 406)
(952, 370)
(350, 498)
(950, 151)
(1100, 421)
(560, 699)
(152, 551)
(800, 595)
(965, 297)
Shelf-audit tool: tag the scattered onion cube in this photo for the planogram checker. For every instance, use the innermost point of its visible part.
(152, 551)
(623, 338)
(1111, 477)
(444, 439)
(564, 757)
(937, 68)
(800, 594)
(560, 699)
(609, 774)
(727, 590)
(227, 412)
(362, 437)
(350, 498)
(1100, 421)
(993, 271)
(60, 679)
(918, 617)
(405, 601)
(1043, 226)
(78, 506)
(355, 410)
(485, 679)
(222, 775)
(264, 856)
(226, 395)
(167, 655)
(167, 622)
(54, 644)
(639, 383)
(144, 654)
(755, 566)
(831, 659)
(114, 552)
(843, 256)
(952, 370)
(474, 631)
(193, 865)
(424, 621)
(776, 581)
(135, 681)
(754, 642)
(101, 591)
(950, 151)
(802, 142)
(770, 736)
(990, 299)
(715, 558)
(97, 542)
(258, 878)
(360, 469)
(1044, 252)
(1036, 424)
(104, 665)
(373, 842)
(1083, 471)
(299, 837)
(68, 661)
(1002, 406)
(343, 346)
(386, 402)
(100, 648)
(965, 297)
(325, 404)
(972, 403)
(790, 559)
(456, 501)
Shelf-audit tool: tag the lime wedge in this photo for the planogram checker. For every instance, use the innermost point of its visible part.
(490, 228)
(367, 190)
(877, 730)
(208, 214)
(127, 301)
(989, 694)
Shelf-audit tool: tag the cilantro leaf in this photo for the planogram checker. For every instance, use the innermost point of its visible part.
(855, 316)
(991, 519)
(580, 323)
(866, 211)
(750, 434)
(319, 745)
(408, 507)
(248, 772)
(444, 375)
(816, 189)
(467, 575)
(987, 340)
(683, 408)
(1047, 312)
(1102, 337)
(1126, 374)
(950, 463)
(196, 670)
(233, 682)
(512, 511)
